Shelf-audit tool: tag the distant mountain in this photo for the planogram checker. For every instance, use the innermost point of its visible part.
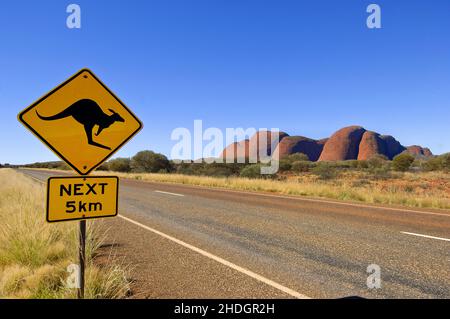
(348, 143)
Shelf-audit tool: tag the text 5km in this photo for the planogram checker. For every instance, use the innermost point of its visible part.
(82, 207)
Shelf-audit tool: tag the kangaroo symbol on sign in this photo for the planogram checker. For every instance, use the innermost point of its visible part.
(88, 113)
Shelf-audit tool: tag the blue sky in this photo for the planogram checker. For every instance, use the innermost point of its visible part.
(306, 67)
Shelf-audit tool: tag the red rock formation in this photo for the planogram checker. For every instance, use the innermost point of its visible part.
(235, 151)
(343, 145)
(262, 141)
(299, 144)
(417, 150)
(371, 144)
(427, 152)
(349, 143)
(393, 147)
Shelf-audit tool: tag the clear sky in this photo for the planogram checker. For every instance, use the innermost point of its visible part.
(306, 67)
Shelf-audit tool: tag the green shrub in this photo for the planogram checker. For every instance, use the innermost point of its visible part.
(324, 171)
(342, 164)
(362, 164)
(437, 163)
(120, 164)
(445, 161)
(251, 171)
(208, 169)
(103, 167)
(63, 166)
(285, 165)
(353, 163)
(301, 166)
(377, 161)
(215, 170)
(185, 169)
(402, 162)
(149, 162)
(433, 164)
(297, 157)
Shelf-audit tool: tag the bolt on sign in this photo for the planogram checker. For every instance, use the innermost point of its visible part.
(81, 197)
(82, 121)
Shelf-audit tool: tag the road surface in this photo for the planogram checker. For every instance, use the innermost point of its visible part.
(194, 242)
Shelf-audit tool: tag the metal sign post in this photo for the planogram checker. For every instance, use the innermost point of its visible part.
(82, 257)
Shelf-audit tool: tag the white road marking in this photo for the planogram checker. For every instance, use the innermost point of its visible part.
(426, 236)
(245, 271)
(35, 178)
(168, 193)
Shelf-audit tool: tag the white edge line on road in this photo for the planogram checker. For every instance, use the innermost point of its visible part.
(222, 261)
(245, 271)
(425, 236)
(169, 193)
(35, 179)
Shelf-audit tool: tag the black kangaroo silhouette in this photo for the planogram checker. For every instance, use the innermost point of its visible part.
(88, 113)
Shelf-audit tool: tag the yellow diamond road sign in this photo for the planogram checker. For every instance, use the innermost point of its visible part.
(82, 121)
(81, 197)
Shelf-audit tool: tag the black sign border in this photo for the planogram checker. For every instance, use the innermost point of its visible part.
(21, 114)
(82, 218)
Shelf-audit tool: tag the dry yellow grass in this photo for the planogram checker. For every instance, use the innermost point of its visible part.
(34, 255)
(410, 189)
(424, 190)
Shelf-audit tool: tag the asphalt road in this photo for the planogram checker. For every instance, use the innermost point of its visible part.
(193, 242)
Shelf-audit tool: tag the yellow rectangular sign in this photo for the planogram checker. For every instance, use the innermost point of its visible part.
(81, 197)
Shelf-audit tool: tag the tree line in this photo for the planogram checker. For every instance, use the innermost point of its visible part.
(151, 162)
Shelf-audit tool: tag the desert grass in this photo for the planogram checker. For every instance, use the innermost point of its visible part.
(34, 255)
(418, 189)
(409, 189)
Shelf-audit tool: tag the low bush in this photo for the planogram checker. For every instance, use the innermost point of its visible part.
(285, 165)
(251, 171)
(376, 161)
(437, 163)
(324, 170)
(402, 162)
(301, 166)
(296, 157)
(149, 162)
(120, 164)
